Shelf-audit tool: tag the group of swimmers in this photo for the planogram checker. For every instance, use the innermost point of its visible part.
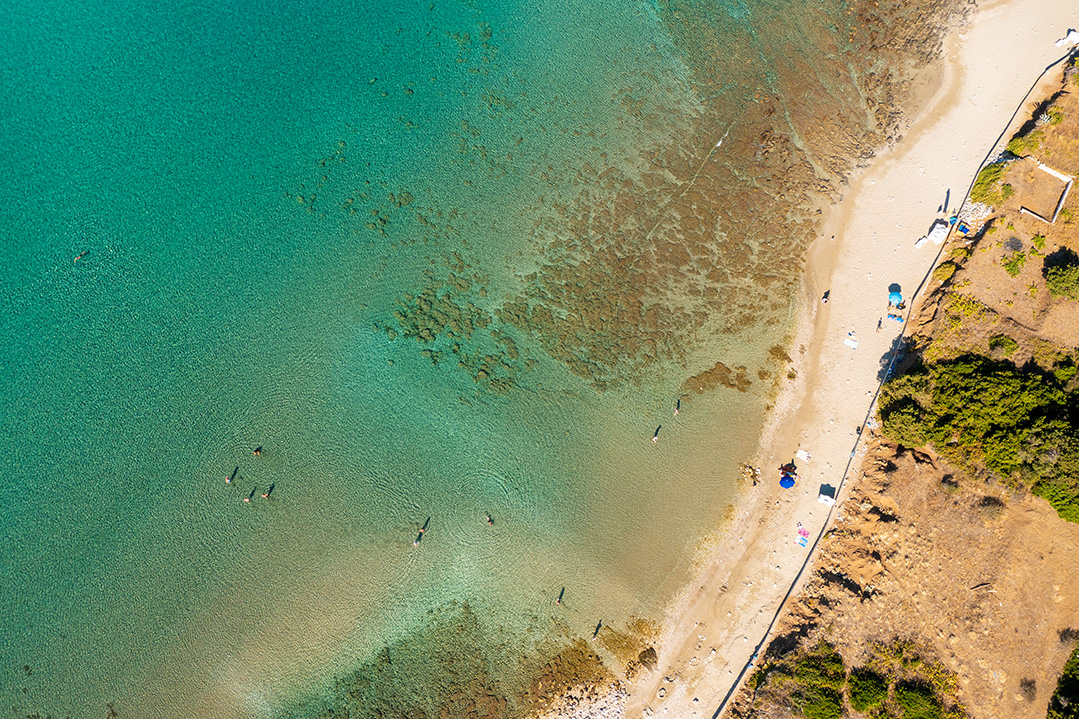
(487, 518)
(677, 406)
(266, 494)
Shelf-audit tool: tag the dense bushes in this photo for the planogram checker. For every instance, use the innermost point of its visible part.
(1023, 146)
(867, 690)
(986, 187)
(1002, 344)
(917, 702)
(986, 416)
(1065, 701)
(897, 682)
(820, 676)
(944, 271)
(1063, 281)
(1061, 270)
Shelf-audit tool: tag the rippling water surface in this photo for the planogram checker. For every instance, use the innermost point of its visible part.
(439, 260)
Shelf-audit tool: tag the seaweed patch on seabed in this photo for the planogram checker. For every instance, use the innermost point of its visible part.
(640, 263)
(454, 667)
(647, 258)
(445, 318)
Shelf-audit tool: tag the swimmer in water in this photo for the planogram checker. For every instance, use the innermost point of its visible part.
(83, 254)
(560, 595)
(248, 497)
(268, 491)
(258, 451)
(422, 530)
(677, 406)
(490, 521)
(655, 437)
(598, 627)
(228, 480)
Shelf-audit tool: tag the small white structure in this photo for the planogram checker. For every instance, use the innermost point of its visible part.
(1072, 38)
(826, 495)
(937, 234)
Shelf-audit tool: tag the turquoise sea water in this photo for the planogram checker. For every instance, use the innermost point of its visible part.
(533, 188)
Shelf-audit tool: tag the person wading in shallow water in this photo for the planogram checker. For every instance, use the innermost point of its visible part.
(560, 595)
(258, 451)
(655, 437)
(269, 491)
(248, 497)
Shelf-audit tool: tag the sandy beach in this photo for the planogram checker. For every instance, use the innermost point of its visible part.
(865, 246)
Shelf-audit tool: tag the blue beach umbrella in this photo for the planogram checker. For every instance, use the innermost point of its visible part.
(895, 298)
(787, 482)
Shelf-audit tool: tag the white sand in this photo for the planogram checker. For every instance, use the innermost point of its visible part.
(989, 68)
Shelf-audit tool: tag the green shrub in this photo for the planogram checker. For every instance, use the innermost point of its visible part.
(867, 690)
(986, 189)
(1065, 371)
(944, 271)
(903, 425)
(917, 702)
(823, 666)
(965, 305)
(820, 677)
(1013, 263)
(1063, 281)
(1056, 116)
(1038, 241)
(1064, 703)
(823, 703)
(1002, 344)
(1006, 191)
(1022, 146)
(987, 416)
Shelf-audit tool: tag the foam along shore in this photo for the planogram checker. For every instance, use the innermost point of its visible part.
(715, 624)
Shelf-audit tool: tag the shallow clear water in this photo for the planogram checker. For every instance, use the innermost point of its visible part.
(260, 189)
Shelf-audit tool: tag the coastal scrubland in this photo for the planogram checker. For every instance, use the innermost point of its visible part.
(946, 587)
